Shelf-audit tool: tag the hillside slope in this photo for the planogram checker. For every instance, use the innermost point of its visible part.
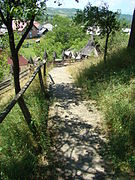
(70, 12)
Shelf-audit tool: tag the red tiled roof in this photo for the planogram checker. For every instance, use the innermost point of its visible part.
(20, 26)
(22, 61)
(0, 50)
(36, 24)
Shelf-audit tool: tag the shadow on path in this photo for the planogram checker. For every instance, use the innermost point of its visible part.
(78, 145)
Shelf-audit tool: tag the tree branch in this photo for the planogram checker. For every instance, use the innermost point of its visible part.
(2, 17)
(25, 34)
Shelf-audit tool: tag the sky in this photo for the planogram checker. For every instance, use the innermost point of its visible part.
(126, 6)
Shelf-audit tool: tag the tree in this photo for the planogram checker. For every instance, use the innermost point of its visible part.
(79, 18)
(101, 17)
(131, 42)
(109, 24)
(20, 11)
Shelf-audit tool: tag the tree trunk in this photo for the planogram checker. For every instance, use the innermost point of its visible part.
(106, 47)
(21, 101)
(14, 55)
(131, 42)
(15, 59)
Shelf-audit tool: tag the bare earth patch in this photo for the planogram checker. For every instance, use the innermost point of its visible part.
(78, 143)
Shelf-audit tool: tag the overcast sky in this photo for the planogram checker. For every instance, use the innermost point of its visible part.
(126, 6)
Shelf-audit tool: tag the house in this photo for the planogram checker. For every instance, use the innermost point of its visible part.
(95, 30)
(3, 30)
(21, 27)
(42, 31)
(88, 50)
(23, 63)
(126, 30)
(48, 26)
(45, 28)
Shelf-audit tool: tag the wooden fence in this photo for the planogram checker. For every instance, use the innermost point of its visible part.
(16, 98)
(5, 85)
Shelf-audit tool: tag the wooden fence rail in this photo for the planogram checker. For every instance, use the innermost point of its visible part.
(16, 98)
(8, 82)
(5, 84)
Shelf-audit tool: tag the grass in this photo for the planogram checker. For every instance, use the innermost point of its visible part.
(27, 49)
(113, 87)
(19, 158)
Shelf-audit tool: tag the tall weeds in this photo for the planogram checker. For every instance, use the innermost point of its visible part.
(19, 157)
(113, 87)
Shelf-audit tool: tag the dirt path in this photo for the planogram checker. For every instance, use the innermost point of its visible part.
(77, 135)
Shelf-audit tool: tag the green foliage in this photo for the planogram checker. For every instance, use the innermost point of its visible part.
(101, 17)
(64, 35)
(116, 41)
(4, 44)
(107, 20)
(66, 32)
(22, 10)
(79, 43)
(27, 49)
(113, 87)
(65, 12)
(4, 67)
(19, 157)
(4, 41)
(127, 18)
(79, 17)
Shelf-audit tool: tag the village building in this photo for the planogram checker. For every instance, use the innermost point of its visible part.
(23, 63)
(126, 30)
(21, 27)
(44, 29)
(94, 30)
(3, 30)
(88, 50)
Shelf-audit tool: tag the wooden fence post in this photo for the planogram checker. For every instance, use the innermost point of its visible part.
(19, 95)
(41, 82)
(45, 56)
(44, 70)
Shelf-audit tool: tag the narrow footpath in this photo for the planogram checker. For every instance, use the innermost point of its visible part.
(76, 126)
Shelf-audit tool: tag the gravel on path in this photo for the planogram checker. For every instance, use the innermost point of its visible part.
(76, 124)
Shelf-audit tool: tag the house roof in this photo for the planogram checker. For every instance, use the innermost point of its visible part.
(22, 61)
(36, 24)
(20, 26)
(3, 30)
(48, 26)
(42, 31)
(87, 49)
(126, 30)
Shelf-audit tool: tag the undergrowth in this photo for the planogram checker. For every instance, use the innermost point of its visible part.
(112, 85)
(19, 158)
